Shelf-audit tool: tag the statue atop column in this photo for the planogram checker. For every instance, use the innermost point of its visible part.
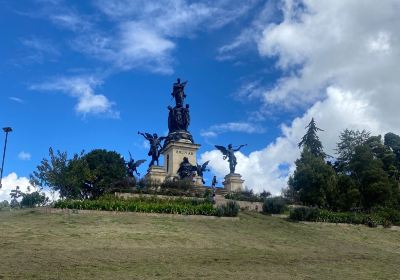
(229, 153)
(179, 116)
(178, 92)
(155, 146)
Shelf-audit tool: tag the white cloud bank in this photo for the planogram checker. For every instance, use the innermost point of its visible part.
(342, 61)
(11, 181)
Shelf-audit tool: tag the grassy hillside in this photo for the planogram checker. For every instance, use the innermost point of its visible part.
(36, 245)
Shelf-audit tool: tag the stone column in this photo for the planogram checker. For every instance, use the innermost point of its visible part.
(233, 182)
(156, 174)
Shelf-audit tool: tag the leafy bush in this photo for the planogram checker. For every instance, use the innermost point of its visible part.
(231, 209)
(303, 214)
(33, 199)
(178, 184)
(147, 204)
(4, 204)
(274, 205)
(373, 219)
(245, 196)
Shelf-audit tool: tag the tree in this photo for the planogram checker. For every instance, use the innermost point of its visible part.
(392, 141)
(348, 193)
(15, 194)
(82, 176)
(375, 186)
(106, 170)
(33, 199)
(310, 140)
(313, 182)
(349, 140)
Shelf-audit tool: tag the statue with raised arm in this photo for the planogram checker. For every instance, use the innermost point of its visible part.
(229, 153)
(178, 92)
(155, 146)
(132, 166)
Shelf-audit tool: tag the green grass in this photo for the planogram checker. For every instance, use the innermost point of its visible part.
(37, 245)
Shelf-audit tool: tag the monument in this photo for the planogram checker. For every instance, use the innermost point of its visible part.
(179, 149)
(179, 145)
(233, 181)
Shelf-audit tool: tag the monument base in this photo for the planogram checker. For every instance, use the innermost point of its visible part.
(156, 174)
(174, 152)
(233, 182)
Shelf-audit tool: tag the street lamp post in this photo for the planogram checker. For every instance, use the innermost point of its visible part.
(6, 130)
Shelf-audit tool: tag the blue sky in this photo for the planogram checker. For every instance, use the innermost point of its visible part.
(80, 75)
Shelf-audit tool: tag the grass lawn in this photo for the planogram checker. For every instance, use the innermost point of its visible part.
(35, 245)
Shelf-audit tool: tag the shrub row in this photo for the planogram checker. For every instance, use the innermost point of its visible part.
(231, 209)
(244, 196)
(274, 205)
(384, 217)
(144, 204)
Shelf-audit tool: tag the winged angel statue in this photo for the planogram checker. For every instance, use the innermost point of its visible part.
(200, 169)
(229, 153)
(155, 146)
(132, 165)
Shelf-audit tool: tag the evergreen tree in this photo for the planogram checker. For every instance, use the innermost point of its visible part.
(348, 141)
(310, 140)
(313, 182)
(375, 185)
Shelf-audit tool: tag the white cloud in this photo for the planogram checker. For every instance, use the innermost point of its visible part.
(41, 45)
(16, 99)
(144, 32)
(83, 89)
(340, 60)
(11, 181)
(244, 127)
(24, 155)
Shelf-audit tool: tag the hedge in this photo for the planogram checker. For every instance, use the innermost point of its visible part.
(144, 204)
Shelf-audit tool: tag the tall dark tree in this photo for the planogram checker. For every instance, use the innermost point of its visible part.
(313, 182)
(310, 140)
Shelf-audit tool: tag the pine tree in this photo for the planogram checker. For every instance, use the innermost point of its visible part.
(310, 140)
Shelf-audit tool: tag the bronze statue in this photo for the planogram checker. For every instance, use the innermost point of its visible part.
(186, 170)
(179, 115)
(132, 166)
(178, 92)
(155, 146)
(229, 153)
(200, 168)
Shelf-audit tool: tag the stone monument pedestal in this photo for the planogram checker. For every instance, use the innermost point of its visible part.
(233, 182)
(156, 174)
(174, 152)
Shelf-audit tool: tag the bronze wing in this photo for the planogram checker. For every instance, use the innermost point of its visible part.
(222, 149)
(139, 162)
